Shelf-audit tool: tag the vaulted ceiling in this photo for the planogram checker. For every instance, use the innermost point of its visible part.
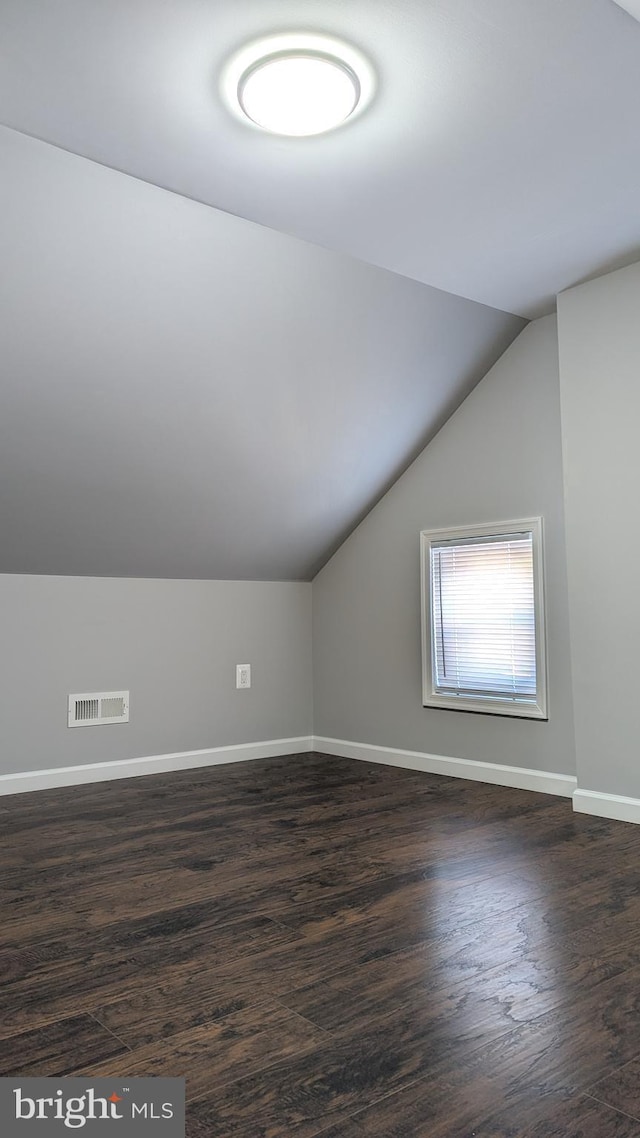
(190, 393)
(499, 160)
(187, 394)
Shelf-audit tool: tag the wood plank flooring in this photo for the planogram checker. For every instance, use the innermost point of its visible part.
(322, 946)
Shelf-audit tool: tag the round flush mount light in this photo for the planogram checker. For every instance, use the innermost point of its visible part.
(298, 85)
(299, 94)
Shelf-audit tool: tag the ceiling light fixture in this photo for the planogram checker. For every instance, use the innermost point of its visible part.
(298, 84)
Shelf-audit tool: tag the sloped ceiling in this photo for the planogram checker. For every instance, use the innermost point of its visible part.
(188, 394)
(194, 390)
(499, 161)
(630, 6)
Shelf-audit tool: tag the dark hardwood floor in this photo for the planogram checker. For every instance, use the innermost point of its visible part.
(326, 947)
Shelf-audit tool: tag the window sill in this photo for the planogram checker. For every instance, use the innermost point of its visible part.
(488, 707)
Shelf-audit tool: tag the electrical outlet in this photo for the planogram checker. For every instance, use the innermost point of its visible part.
(243, 675)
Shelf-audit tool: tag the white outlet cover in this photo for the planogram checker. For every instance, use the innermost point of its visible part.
(243, 675)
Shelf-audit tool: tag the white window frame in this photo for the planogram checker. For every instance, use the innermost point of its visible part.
(535, 708)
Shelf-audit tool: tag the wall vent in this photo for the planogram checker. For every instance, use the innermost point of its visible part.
(91, 709)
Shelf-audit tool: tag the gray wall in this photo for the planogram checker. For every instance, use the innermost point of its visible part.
(498, 457)
(599, 325)
(174, 644)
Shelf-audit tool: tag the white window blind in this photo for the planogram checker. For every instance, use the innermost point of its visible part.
(483, 617)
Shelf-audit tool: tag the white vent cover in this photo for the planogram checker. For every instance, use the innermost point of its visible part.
(89, 709)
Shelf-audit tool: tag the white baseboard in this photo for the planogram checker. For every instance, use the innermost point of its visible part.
(615, 806)
(151, 764)
(546, 782)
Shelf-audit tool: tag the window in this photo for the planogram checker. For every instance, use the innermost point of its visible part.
(483, 629)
